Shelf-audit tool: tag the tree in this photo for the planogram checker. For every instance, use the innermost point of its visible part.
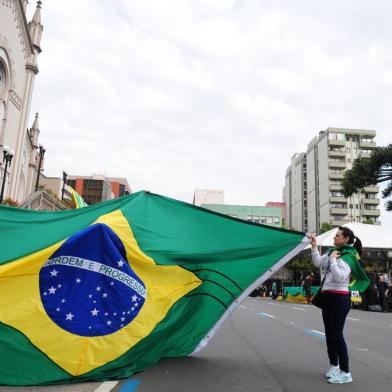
(368, 221)
(371, 171)
(301, 266)
(325, 227)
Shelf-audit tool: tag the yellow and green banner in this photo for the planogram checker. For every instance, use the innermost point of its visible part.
(105, 291)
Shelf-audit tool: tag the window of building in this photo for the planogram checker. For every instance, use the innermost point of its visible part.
(263, 219)
(249, 218)
(276, 220)
(122, 190)
(269, 220)
(256, 219)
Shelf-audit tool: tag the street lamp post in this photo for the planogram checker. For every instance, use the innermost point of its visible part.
(41, 156)
(7, 158)
(65, 175)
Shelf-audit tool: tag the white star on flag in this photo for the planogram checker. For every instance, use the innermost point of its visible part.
(109, 322)
(104, 295)
(78, 280)
(122, 318)
(54, 273)
(134, 298)
(52, 290)
(94, 312)
(98, 288)
(120, 263)
(69, 316)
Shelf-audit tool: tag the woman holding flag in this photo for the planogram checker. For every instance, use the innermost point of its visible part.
(340, 273)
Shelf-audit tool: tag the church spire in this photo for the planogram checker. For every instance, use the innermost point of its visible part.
(35, 27)
(34, 131)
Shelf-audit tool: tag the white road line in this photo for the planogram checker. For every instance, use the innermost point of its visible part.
(362, 349)
(315, 331)
(106, 386)
(270, 303)
(299, 309)
(351, 318)
(267, 315)
(243, 307)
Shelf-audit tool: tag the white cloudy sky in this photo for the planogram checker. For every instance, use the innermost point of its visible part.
(182, 94)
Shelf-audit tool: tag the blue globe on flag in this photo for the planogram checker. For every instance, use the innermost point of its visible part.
(87, 286)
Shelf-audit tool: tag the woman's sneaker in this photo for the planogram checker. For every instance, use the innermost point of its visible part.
(341, 378)
(333, 371)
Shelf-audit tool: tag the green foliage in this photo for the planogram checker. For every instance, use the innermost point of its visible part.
(9, 202)
(325, 227)
(301, 266)
(371, 171)
(368, 221)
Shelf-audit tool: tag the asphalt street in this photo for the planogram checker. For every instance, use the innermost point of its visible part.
(267, 346)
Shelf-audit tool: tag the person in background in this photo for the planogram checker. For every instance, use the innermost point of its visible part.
(274, 292)
(307, 287)
(337, 266)
(263, 291)
(381, 289)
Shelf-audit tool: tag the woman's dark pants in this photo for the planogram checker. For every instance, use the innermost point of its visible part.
(335, 310)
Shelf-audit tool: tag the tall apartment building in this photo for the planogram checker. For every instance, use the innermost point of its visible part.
(97, 188)
(294, 193)
(328, 156)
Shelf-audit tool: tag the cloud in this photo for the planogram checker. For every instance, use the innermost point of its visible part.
(181, 95)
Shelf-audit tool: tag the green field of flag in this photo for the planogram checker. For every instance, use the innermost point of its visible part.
(104, 291)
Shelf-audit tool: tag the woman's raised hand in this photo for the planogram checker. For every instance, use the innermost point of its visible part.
(313, 240)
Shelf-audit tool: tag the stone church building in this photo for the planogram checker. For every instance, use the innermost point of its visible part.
(19, 48)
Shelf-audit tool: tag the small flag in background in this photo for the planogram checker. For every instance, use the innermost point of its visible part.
(103, 292)
(76, 198)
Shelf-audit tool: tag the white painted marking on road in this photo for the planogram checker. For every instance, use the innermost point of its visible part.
(106, 386)
(266, 315)
(292, 322)
(299, 309)
(362, 349)
(351, 318)
(270, 303)
(315, 331)
(243, 307)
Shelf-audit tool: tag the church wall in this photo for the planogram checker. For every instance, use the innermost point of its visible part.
(16, 52)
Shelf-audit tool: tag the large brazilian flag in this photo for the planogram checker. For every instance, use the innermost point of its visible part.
(105, 291)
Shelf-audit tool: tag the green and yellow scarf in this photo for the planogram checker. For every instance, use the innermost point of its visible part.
(359, 279)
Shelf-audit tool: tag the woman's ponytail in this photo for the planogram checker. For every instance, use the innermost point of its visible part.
(358, 245)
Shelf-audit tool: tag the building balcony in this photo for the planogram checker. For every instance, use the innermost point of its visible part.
(339, 211)
(339, 222)
(337, 199)
(370, 212)
(370, 201)
(363, 144)
(333, 187)
(336, 143)
(364, 154)
(371, 189)
(337, 164)
(336, 153)
(335, 176)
